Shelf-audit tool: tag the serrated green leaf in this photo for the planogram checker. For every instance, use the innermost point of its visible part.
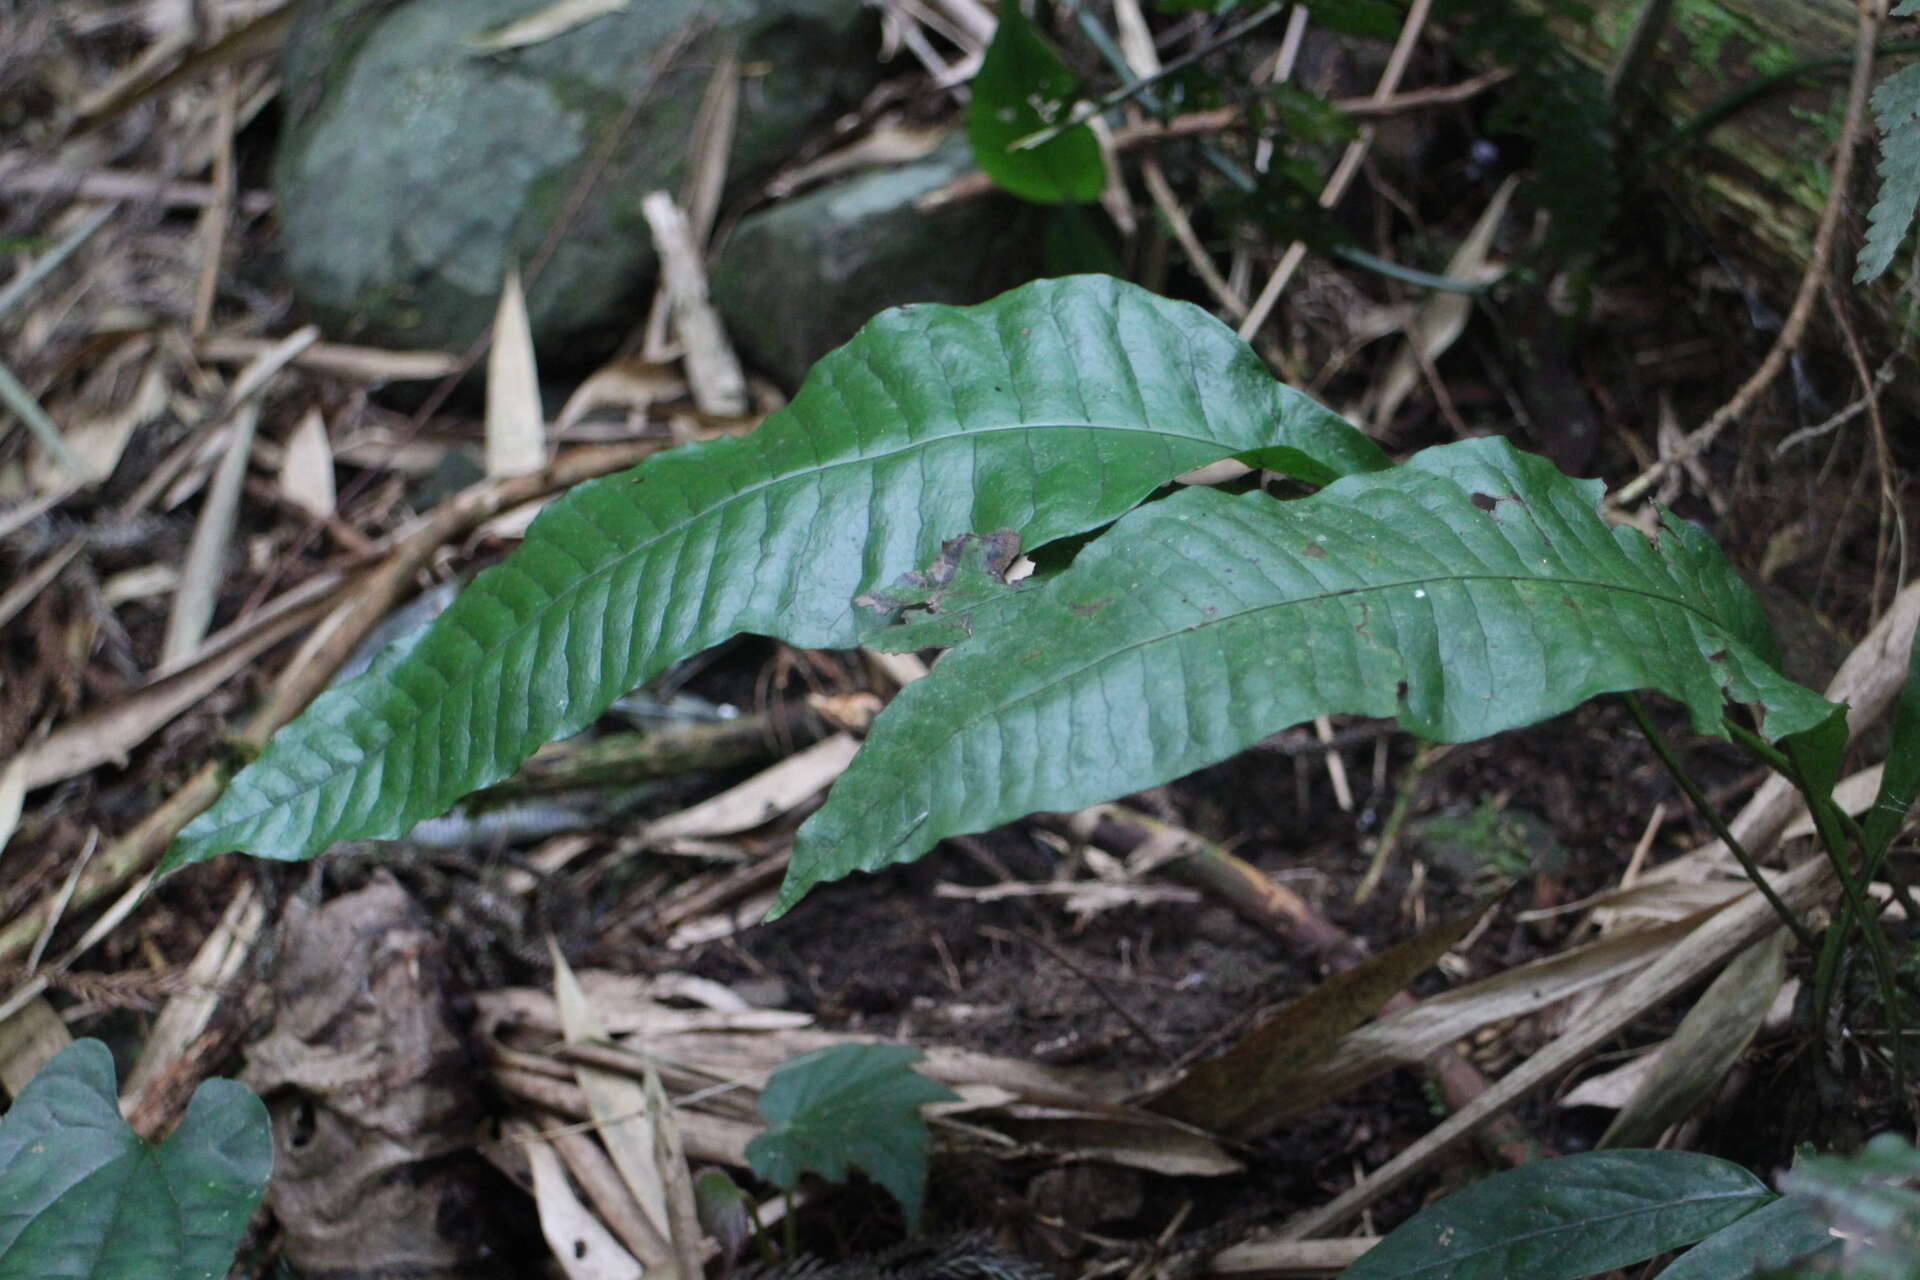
(849, 1106)
(1472, 590)
(1050, 411)
(1566, 1218)
(1021, 88)
(83, 1197)
(1896, 107)
(1784, 1233)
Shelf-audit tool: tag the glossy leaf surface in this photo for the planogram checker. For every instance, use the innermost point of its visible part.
(1566, 1218)
(1471, 590)
(1048, 411)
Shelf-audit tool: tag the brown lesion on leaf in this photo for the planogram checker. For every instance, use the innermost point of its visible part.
(1089, 608)
(991, 553)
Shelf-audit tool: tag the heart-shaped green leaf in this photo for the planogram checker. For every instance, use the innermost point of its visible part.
(84, 1198)
(852, 1105)
(1471, 590)
(1048, 411)
(1021, 88)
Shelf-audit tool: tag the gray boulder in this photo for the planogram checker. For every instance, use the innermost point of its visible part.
(797, 279)
(414, 166)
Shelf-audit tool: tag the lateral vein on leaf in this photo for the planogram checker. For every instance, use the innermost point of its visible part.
(958, 726)
(384, 733)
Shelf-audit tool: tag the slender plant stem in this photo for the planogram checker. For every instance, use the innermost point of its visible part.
(1699, 800)
(1833, 839)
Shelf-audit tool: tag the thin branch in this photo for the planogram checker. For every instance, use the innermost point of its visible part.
(1839, 180)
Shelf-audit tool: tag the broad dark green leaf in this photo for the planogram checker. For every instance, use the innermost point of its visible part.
(1472, 590)
(1900, 777)
(1566, 1218)
(1786, 1232)
(1896, 106)
(83, 1197)
(852, 1105)
(1049, 411)
(1021, 88)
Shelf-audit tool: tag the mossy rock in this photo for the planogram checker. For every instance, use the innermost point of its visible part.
(799, 278)
(415, 166)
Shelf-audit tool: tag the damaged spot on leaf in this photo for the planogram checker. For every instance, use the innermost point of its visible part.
(932, 608)
(1314, 551)
(1485, 501)
(1090, 608)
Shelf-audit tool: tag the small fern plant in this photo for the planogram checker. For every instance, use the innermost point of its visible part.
(1470, 589)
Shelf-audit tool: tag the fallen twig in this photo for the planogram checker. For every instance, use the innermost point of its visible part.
(368, 599)
(1839, 184)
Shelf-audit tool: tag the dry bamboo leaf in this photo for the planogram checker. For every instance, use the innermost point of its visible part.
(619, 1106)
(306, 469)
(30, 1037)
(713, 370)
(763, 797)
(1708, 1041)
(1612, 1089)
(98, 439)
(630, 384)
(205, 567)
(543, 25)
(108, 734)
(536, 1010)
(516, 424)
(711, 148)
(13, 797)
(1133, 1139)
(670, 1157)
(887, 144)
(1243, 1089)
(217, 963)
(1405, 1038)
(584, 1249)
(1443, 317)
(1718, 939)
(596, 1176)
(1660, 901)
(1289, 1257)
(167, 64)
(22, 593)
(360, 364)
